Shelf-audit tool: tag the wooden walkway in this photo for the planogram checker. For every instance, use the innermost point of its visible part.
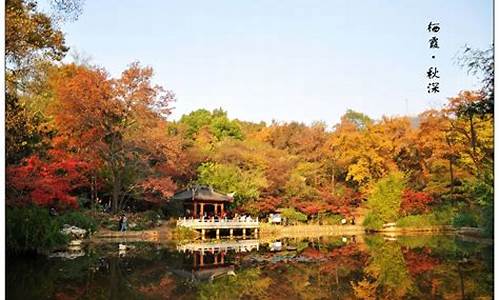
(217, 224)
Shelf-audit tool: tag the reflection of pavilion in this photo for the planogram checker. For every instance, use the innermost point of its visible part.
(217, 246)
(207, 266)
(213, 260)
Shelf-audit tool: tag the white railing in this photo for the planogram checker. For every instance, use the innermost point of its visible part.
(208, 223)
(238, 246)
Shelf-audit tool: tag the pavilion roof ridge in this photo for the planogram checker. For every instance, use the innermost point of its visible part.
(201, 192)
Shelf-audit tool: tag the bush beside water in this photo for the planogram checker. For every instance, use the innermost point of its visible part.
(184, 233)
(32, 229)
(331, 219)
(465, 219)
(293, 216)
(441, 216)
(373, 222)
(78, 219)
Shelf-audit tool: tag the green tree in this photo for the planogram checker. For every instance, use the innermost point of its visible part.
(25, 132)
(360, 120)
(230, 179)
(217, 123)
(385, 199)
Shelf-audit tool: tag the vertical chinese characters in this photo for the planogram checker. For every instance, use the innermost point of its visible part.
(433, 72)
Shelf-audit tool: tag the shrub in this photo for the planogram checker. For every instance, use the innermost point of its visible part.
(78, 219)
(332, 219)
(444, 215)
(32, 229)
(464, 219)
(441, 216)
(183, 233)
(373, 222)
(415, 202)
(417, 221)
(144, 220)
(291, 214)
(153, 215)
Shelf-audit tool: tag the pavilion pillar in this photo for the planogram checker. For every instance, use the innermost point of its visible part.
(244, 232)
(203, 234)
(216, 206)
(256, 233)
(222, 209)
(201, 209)
(195, 209)
(231, 233)
(217, 233)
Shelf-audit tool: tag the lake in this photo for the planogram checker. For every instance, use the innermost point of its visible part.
(349, 267)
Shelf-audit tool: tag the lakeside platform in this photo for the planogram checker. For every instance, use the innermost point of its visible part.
(230, 225)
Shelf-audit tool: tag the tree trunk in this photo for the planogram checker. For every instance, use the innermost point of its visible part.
(116, 194)
(472, 136)
(93, 197)
(452, 179)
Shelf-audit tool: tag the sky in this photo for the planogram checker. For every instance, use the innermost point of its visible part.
(289, 60)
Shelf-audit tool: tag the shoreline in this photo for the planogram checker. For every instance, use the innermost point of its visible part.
(268, 231)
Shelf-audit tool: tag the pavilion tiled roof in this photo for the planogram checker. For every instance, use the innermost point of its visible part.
(201, 193)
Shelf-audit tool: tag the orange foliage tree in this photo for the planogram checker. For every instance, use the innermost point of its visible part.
(119, 124)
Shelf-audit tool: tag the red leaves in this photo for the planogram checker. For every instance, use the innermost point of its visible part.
(267, 204)
(311, 252)
(419, 262)
(49, 182)
(154, 187)
(311, 208)
(415, 202)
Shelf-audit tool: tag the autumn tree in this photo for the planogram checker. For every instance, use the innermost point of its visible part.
(47, 182)
(110, 120)
(415, 202)
(31, 37)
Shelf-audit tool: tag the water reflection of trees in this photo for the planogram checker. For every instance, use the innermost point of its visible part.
(370, 268)
(425, 267)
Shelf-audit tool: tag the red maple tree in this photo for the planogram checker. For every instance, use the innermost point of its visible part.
(415, 202)
(47, 182)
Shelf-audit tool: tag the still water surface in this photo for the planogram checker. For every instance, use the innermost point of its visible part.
(356, 267)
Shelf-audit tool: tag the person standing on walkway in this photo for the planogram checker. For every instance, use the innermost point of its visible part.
(123, 223)
(120, 221)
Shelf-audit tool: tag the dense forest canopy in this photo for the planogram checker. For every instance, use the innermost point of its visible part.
(75, 136)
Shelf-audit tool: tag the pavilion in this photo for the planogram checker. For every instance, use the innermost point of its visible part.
(202, 200)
